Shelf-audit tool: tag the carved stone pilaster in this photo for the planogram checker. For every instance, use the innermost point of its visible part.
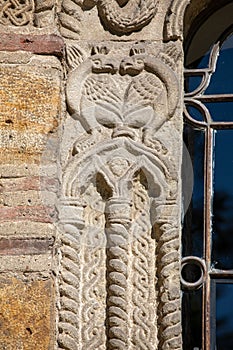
(122, 170)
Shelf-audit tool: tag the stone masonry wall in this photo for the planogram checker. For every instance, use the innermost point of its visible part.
(90, 154)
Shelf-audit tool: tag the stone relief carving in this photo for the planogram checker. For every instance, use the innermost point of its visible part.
(118, 16)
(15, 12)
(126, 16)
(119, 236)
(44, 13)
(173, 27)
(26, 12)
(125, 94)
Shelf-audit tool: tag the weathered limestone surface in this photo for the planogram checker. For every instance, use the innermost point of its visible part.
(30, 109)
(26, 314)
(90, 155)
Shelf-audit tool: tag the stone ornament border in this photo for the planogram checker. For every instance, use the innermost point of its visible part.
(27, 13)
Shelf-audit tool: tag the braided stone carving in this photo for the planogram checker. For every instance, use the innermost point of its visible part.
(144, 332)
(15, 12)
(70, 291)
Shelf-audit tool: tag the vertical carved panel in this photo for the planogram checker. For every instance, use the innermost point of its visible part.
(119, 187)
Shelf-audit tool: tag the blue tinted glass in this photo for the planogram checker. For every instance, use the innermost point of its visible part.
(224, 316)
(192, 83)
(192, 319)
(195, 113)
(202, 62)
(221, 80)
(193, 221)
(222, 247)
(221, 111)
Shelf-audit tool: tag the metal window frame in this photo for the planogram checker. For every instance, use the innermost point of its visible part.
(196, 99)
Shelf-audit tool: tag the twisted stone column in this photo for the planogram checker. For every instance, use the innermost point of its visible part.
(117, 229)
(168, 271)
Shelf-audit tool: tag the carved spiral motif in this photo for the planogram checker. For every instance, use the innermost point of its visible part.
(168, 270)
(117, 298)
(126, 19)
(70, 295)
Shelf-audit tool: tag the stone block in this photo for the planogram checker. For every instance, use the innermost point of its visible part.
(25, 317)
(29, 109)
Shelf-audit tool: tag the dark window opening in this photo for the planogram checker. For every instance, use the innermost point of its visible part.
(207, 240)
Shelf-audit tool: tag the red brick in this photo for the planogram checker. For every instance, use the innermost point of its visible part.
(25, 246)
(45, 44)
(27, 213)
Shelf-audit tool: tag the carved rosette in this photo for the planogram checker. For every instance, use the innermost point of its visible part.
(119, 187)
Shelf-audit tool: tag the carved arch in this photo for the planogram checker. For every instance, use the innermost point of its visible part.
(173, 28)
(126, 197)
(176, 15)
(80, 172)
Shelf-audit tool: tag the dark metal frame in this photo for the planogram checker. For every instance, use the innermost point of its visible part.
(196, 99)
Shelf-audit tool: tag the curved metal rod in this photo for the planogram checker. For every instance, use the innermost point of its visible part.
(202, 86)
(193, 260)
(205, 73)
(201, 108)
(214, 57)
